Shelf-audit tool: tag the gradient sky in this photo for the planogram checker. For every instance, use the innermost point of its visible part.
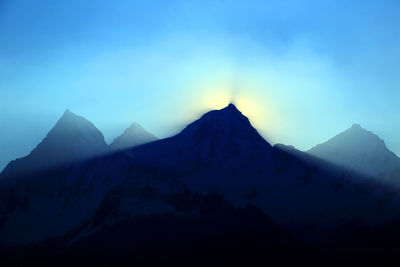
(301, 70)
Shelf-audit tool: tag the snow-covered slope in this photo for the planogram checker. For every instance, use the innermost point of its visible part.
(362, 151)
(133, 136)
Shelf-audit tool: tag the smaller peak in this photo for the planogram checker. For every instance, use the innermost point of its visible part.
(133, 136)
(356, 126)
(134, 125)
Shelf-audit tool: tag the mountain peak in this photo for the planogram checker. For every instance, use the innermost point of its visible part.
(134, 135)
(73, 138)
(356, 138)
(227, 125)
(68, 113)
(68, 116)
(76, 134)
(231, 106)
(358, 149)
(224, 117)
(356, 126)
(133, 125)
(217, 136)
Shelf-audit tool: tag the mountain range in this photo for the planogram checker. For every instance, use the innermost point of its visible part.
(73, 191)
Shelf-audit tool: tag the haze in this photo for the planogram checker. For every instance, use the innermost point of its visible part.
(301, 70)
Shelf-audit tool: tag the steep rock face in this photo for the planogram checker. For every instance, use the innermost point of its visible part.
(133, 136)
(360, 150)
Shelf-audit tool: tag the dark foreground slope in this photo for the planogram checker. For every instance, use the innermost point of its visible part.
(207, 231)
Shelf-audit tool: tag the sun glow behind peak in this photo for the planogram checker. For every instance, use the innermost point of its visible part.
(217, 100)
(250, 107)
(218, 95)
(248, 94)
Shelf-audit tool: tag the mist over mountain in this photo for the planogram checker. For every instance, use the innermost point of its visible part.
(133, 136)
(362, 151)
(217, 169)
(72, 139)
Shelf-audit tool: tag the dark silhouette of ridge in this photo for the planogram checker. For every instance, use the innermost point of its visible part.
(216, 136)
(228, 119)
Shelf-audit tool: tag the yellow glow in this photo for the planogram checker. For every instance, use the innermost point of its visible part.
(214, 95)
(251, 108)
(217, 100)
(248, 96)
(219, 94)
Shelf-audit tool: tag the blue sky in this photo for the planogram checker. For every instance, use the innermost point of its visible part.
(301, 70)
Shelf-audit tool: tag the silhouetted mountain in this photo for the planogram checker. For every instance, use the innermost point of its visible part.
(222, 152)
(219, 155)
(133, 136)
(72, 139)
(218, 137)
(362, 151)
